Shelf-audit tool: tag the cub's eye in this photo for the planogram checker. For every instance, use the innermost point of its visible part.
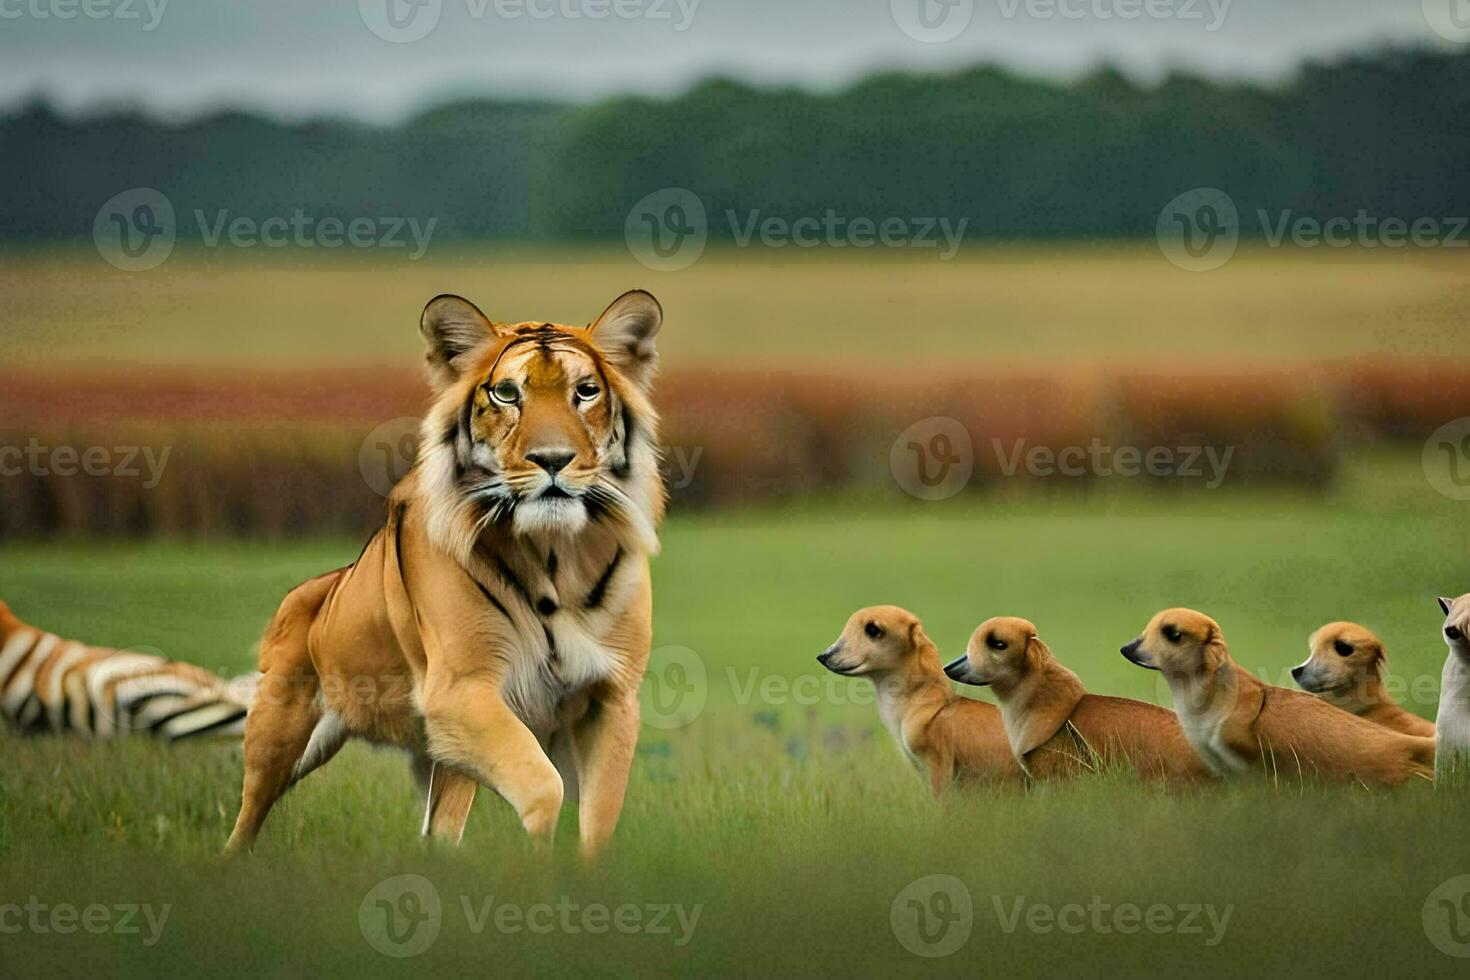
(873, 630)
(506, 392)
(1172, 634)
(995, 642)
(1343, 649)
(1453, 632)
(587, 390)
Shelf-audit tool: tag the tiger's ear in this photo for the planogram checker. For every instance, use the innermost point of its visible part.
(452, 327)
(625, 331)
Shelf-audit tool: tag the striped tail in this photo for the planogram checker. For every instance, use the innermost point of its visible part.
(51, 685)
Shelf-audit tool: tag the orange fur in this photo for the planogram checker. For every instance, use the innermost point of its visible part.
(1346, 668)
(1239, 723)
(1054, 726)
(502, 616)
(948, 737)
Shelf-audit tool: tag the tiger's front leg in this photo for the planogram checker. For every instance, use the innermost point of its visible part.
(471, 728)
(604, 740)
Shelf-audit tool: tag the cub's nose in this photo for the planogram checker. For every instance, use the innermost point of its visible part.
(553, 461)
(1297, 672)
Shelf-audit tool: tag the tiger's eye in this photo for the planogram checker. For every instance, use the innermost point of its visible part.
(586, 391)
(506, 391)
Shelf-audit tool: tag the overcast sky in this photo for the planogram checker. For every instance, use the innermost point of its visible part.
(305, 57)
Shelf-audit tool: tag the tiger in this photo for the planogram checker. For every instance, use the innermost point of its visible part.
(51, 685)
(498, 624)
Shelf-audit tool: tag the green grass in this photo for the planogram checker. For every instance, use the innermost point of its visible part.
(793, 825)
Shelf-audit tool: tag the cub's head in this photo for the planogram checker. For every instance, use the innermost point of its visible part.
(876, 641)
(541, 426)
(1002, 651)
(1344, 656)
(1181, 643)
(1456, 629)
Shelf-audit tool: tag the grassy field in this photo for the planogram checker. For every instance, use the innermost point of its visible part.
(991, 304)
(780, 814)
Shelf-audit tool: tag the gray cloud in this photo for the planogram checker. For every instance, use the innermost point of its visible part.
(296, 59)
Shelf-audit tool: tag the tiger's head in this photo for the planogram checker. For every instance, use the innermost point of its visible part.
(540, 427)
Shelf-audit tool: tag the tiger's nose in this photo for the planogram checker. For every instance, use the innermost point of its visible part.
(553, 461)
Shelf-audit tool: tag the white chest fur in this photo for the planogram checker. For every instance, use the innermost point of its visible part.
(1452, 723)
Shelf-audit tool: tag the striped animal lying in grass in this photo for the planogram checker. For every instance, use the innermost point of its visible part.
(52, 685)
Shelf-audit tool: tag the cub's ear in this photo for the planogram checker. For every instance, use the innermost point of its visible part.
(452, 327)
(625, 331)
(1444, 605)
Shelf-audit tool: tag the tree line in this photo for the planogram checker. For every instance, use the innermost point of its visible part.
(1383, 133)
